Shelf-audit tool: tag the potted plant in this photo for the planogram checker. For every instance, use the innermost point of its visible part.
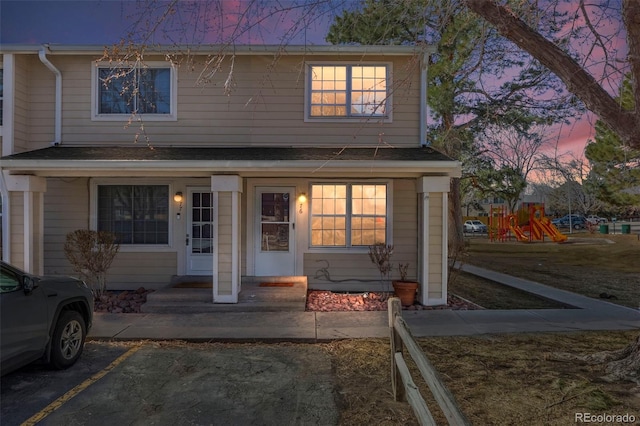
(405, 289)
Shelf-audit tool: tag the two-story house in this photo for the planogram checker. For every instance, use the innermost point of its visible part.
(286, 162)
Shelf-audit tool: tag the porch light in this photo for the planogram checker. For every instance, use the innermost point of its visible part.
(178, 199)
(302, 198)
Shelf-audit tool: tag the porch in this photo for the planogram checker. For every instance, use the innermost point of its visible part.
(193, 294)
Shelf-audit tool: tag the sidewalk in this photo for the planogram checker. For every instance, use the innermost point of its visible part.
(590, 314)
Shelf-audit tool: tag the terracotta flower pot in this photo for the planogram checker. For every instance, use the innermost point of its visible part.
(406, 291)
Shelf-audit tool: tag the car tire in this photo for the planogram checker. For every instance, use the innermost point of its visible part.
(68, 340)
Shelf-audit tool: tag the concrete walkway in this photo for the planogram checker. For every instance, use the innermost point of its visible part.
(587, 314)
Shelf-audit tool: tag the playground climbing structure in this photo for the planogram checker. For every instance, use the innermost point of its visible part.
(526, 225)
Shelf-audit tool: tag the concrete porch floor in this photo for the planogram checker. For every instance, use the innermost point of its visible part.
(252, 297)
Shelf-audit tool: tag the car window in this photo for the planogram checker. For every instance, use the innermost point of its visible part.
(9, 281)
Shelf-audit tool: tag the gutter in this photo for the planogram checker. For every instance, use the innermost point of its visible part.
(42, 53)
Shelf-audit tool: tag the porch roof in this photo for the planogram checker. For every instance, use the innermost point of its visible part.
(157, 161)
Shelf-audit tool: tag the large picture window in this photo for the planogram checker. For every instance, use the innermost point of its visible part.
(137, 214)
(122, 91)
(348, 91)
(348, 215)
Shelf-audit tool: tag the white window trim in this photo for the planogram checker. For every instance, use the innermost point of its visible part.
(386, 118)
(351, 249)
(2, 80)
(134, 248)
(172, 116)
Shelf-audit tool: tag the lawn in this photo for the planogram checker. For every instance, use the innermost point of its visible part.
(593, 265)
(511, 379)
(497, 380)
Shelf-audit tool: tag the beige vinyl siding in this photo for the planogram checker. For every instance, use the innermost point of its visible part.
(21, 124)
(16, 243)
(41, 102)
(225, 267)
(265, 107)
(405, 227)
(341, 267)
(435, 246)
(132, 270)
(66, 206)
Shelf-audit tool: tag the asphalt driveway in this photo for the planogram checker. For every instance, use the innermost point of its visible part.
(180, 384)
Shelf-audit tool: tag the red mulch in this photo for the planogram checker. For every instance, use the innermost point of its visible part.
(327, 301)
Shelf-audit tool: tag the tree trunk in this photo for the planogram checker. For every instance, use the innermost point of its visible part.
(456, 235)
(626, 365)
(621, 365)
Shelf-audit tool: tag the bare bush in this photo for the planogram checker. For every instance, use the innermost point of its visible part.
(91, 254)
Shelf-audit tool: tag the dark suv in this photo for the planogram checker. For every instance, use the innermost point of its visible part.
(42, 318)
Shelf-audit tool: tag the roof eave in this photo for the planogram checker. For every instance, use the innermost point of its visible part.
(209, 49)
(90, 167)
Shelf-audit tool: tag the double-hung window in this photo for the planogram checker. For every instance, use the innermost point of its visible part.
(349, 214)
(347, 91)
(122, 91)
(137, 214)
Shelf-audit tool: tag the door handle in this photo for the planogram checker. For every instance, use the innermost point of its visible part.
(187, 240)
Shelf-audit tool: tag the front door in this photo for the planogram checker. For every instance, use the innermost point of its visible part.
(200, 231)
(275, 251)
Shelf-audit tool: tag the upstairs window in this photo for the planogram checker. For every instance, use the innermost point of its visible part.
(347, 91)
(149, 90)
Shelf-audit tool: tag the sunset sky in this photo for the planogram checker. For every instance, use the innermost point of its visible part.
(106, 22)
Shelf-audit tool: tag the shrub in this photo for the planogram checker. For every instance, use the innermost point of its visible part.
(91, 254)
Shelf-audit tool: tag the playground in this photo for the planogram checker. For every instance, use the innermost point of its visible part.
(528, 224)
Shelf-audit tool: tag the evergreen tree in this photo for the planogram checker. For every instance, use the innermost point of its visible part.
(615, 166)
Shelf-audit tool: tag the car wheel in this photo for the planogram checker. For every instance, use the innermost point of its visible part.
(68, 340)
(576, 226)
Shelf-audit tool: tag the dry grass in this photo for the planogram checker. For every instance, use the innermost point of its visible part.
(497, 380)
(591, 264)
(508, 379)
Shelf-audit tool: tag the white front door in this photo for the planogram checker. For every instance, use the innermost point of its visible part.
(200, 214)
(275, 248)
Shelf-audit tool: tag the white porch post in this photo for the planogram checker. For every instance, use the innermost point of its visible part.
(433, 274)
(226, 268)
(33, 188)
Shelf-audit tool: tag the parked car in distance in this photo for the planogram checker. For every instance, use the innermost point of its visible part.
(475, 226)
(578, 222)
(44, 318)
(595, 219)
(565, 219)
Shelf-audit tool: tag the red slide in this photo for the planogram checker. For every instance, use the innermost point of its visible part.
(548, 228)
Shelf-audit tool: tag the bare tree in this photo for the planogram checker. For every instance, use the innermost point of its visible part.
(577, 77)
(624, 364)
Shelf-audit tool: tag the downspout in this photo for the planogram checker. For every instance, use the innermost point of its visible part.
(423, 100)
(58, 104)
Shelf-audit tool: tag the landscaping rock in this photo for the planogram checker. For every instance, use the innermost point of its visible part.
(121, 302)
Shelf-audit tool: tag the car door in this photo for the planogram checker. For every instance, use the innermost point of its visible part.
(23, 320)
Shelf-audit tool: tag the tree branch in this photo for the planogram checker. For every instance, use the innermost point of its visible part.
(625, 123)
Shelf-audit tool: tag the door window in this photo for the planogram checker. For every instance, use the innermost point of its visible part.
(275, 221)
